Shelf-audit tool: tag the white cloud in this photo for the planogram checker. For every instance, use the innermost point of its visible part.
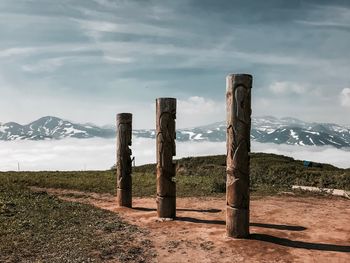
(70, 154)
(47, 65)
(328, 16)
(50, 49)
(345, 97)
(328, 23)
(196, 104)
(260, 103)
(52, 64)
(324, 154)
(283, 87)
(17, 51)
(118, 60)
(90, 154)
(107, 3)
(191, 112)
(197, 110)
(99, 154)
(95, 27)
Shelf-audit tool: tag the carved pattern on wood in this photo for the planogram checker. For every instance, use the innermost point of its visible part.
(124, 162)
(166, 135)
(238, 99)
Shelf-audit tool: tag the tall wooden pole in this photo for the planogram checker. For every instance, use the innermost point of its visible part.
(166, 135)
(124, 182)
(238, 111)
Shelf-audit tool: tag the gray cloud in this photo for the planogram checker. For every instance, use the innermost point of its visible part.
(112, 55)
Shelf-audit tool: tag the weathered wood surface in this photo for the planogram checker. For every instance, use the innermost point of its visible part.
(166, 135)
(238, 107)
(124, 181)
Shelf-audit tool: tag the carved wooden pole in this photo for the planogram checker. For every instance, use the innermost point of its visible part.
(124, 183)
(238, 111)
(166, 135)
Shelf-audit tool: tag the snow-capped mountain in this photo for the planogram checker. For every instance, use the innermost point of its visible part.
(264, 129)
(270, 130)
(51, 128)
(297, 132)
(280, 131)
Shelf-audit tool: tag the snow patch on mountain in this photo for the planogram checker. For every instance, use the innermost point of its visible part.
(266, 129)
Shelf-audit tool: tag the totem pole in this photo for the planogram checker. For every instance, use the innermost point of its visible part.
(166, 135)
(238, 112)
(124, 183)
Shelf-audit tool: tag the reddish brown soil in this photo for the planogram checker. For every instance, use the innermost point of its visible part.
(283, 228)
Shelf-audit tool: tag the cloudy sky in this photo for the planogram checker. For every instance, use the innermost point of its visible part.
(85, 60)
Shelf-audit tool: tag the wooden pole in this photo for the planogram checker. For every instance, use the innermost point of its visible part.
(124, 182)
(166, 135)
(238, 111)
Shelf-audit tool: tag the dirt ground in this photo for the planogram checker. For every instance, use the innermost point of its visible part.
(283, 228)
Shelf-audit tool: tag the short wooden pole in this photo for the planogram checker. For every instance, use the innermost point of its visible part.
(166, 135)
(124, 181)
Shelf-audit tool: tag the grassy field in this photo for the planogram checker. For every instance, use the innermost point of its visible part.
(36, 227)
(196, 176)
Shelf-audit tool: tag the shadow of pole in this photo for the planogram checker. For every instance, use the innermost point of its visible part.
(264, 237)
(299, 244)
(211, 210)
(200, 221)
(146, 209)
(279, 227)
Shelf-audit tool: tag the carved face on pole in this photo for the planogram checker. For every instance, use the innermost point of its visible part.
(124, 170)
(167, 137)
(124, 133)
(166, 187)
(238, 146)
(242, 96)
(239, 130)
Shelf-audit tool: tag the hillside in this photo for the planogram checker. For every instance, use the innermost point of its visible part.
(268, 172)
(197, 176)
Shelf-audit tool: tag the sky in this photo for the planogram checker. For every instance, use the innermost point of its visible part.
(86, 60)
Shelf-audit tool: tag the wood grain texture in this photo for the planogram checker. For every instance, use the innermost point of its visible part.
(124, 170)
(238, 107)
(166, 135)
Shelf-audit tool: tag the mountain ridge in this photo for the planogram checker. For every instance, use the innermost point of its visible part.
(266, 129)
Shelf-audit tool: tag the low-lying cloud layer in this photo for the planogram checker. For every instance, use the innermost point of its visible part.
(99, 154)
(324, 154)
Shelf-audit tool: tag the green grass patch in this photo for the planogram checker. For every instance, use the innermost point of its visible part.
(196, 176)
(36, 227)
(93, 181)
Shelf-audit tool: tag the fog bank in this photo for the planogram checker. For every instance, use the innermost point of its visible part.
(99, 154)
